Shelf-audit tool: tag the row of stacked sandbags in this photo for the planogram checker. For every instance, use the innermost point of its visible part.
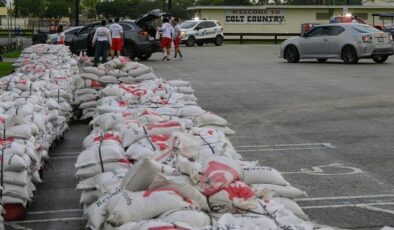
(155, 159)
(92, 79)
(35, 108)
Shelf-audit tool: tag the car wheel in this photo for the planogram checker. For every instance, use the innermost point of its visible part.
(200, 43)
(380, 59)
(129, 50)
(349, 55)
(322, 60)
(291, 54)
(190, 41)
(218, 40)
(144, 56)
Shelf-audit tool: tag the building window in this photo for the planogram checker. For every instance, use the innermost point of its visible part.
(323, 16)
(361, 15)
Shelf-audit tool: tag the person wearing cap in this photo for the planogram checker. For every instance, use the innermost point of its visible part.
(101, 41)
(117, 38)
(166, 38)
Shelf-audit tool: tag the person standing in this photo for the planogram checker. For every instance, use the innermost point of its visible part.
(60, 35)
(117, 38)
(166, 38)
(177, 37)
(101, 41)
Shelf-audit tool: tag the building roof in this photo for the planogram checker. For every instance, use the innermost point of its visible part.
(290, 7)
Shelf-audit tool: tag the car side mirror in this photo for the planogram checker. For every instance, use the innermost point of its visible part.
(304, 35)
(197, 28)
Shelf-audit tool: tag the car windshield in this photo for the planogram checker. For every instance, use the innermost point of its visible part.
(188, 24)
(365, 29)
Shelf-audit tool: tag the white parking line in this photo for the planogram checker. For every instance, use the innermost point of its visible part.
(358, 205)
(54, 211)
(16, 227)
(345, 197)
(47, 220)
(376, 209)
(63, 157)
(327, 145)
(284, 147)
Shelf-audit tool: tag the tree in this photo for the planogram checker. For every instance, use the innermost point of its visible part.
(57, 9)
(32, 7)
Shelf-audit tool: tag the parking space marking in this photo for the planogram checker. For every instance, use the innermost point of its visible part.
(284, 147)
(54, 211)
(319, 170)
(48, 220)
(345, 197)
(16, 227)
(63, 157)
(376, 209)
(358, 205)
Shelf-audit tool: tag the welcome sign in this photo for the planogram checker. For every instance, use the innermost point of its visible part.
(255, 16)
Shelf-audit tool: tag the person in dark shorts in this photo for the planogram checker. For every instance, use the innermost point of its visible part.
(101, 41)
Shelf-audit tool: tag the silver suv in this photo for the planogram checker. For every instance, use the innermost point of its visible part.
(201, 31)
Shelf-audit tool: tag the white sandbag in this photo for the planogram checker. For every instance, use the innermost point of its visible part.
(183, 186)
(107, 79)
(15, 162)
(107, 151)
(263, 175)
(129, 206)
(146, 76)
(90, 76)
(17, 178)
(141, 175)
(234, 198)
(178, 83)
(94, 70)
(218, 173)
(139, 71)
(194, 217)
(155, 224)
(88, 104)
(278, 190)
(209, 118)
(292, 206)
(248, 221)
(86, 172)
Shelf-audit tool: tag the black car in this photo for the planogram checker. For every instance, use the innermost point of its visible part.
(139, 37)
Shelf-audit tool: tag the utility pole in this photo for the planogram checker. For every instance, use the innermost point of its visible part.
(169, 6)
(76, 12)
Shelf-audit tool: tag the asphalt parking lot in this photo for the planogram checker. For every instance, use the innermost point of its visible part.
(327, 127)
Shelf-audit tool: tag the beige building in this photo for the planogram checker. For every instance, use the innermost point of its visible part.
(280, 18)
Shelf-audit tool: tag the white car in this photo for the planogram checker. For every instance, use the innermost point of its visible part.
(201, 31)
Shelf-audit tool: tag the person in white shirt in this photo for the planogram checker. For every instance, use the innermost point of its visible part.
(117, 38)
(177, 37)
(101, 41)
(60, 35)
(166, 38)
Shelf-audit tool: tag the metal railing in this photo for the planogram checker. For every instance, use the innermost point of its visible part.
(275, 36)
(23, 33)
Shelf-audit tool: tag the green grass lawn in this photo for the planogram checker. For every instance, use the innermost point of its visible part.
(13, 54)
(6, 68)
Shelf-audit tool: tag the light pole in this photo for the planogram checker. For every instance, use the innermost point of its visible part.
(76, 12)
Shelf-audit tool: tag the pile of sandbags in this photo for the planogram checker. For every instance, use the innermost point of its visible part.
(156, 160)
(35, 109)
(92, 79)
